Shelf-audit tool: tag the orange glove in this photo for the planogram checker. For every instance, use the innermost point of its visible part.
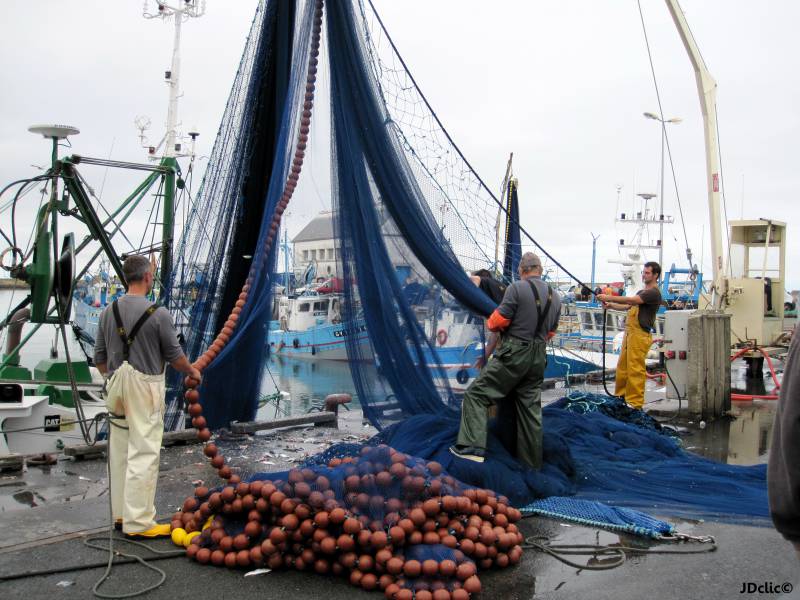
(498, 322)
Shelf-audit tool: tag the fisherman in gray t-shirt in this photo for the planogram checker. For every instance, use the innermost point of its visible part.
(528, 317)
(156, 341)
(135, 339)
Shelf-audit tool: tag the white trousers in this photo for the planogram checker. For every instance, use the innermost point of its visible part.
(135, 445)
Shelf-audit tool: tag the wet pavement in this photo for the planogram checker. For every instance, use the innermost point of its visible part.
(46, 511)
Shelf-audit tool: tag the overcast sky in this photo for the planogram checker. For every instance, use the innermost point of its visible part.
(561, 84)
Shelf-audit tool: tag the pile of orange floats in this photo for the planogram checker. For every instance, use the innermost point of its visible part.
(385, 520)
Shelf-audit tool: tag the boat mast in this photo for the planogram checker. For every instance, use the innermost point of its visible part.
(497, 228)
(707, 91)
(172, 148)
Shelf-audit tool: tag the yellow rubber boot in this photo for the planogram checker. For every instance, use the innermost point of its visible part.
(156, 531)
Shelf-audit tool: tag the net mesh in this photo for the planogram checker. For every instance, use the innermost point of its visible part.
(410, 218)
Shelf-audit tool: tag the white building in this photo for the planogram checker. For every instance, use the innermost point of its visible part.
(316, 244)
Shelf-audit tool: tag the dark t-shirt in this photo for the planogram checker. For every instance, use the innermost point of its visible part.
(647, 312)
(493, 288)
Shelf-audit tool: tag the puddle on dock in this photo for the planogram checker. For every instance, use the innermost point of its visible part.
(41, 485)
(744, 437)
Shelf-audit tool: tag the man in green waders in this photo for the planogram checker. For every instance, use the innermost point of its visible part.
(527, 317)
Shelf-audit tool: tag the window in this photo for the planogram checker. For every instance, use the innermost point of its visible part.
(305, 255)
(304, 307)
(587, 320)
(321, 307)
(330, 253)
(313, 255)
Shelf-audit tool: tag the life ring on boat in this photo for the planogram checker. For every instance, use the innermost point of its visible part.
(441, 337)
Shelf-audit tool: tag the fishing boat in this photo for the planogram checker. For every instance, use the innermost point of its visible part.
(59, 402)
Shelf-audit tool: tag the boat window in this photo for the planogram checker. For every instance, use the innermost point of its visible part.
(305, 255)
(586, 317)
(330, 253)
(598, 320)
(321, 306)
(304, 307)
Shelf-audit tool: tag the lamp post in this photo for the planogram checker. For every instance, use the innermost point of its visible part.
(663, 122)
(594, 255)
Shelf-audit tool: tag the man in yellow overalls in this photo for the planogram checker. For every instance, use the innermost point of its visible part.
(639, 326)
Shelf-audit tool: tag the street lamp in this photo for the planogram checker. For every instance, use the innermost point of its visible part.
(663, 122)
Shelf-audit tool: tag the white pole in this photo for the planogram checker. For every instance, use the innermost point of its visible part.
(174, 87)
(707, 89)
(188, 9)
(661, 199)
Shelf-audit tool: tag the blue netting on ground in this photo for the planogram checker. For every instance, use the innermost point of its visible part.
(597, 514)
(596, 457)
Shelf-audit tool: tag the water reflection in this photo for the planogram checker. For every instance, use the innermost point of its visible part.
(307, 383)
(742, 440)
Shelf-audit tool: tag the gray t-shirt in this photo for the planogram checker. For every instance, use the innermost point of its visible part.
(156, 342)
(519, 305)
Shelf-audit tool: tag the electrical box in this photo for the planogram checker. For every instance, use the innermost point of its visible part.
(697, 355)
(676, 351)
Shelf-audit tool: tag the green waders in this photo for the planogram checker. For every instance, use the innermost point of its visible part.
(518, 366)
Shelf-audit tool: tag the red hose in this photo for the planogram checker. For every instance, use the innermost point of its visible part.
(753, 397)
(771, 370)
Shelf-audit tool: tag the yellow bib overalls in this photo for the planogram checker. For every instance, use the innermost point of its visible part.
(631, 371)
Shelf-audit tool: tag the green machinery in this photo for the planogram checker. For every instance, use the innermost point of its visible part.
(50, 270)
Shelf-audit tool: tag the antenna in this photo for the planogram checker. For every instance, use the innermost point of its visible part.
(186, 10)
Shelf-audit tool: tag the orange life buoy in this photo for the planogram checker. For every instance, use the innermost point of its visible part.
(441, 337)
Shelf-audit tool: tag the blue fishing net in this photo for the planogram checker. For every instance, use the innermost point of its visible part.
(598, 457)
(402, 199)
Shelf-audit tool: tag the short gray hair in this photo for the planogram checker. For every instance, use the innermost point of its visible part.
(135, 268)
(529, 261)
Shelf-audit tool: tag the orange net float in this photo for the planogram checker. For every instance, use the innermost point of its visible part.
(346, 536)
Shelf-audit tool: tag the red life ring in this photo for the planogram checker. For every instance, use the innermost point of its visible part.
(441, 337)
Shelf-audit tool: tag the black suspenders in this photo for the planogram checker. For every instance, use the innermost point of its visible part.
(541, 314)
(127, 339)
